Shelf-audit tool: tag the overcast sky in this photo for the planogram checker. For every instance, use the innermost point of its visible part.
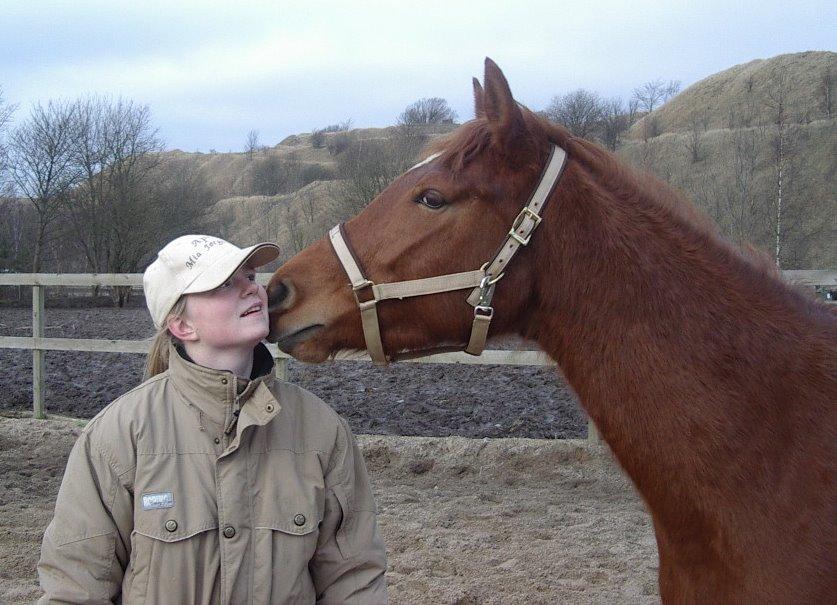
(211, 72)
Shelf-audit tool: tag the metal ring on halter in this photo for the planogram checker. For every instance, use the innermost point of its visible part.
(493, 280)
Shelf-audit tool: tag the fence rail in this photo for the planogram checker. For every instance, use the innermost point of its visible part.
(39, 344)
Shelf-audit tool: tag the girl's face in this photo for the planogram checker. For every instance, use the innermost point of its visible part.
(233, 315)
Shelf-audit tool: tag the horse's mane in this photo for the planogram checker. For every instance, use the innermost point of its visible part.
(466, 143)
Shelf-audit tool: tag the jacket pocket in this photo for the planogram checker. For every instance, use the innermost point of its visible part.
(175, 556)
(286, 538)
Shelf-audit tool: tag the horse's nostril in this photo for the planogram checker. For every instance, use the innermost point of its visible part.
(277, 295)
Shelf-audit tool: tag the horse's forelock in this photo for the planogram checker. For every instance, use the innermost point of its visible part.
(461, 146)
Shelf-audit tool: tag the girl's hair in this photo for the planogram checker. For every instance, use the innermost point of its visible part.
(158, 356)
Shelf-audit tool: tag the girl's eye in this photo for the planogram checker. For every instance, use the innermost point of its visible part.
(432, 199)
(251, 277)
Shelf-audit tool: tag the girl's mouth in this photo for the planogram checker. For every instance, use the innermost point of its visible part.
(252, 310)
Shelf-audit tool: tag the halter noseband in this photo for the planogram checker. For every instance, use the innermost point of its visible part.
(482, 281)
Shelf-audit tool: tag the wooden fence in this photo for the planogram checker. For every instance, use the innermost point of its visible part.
(39, 344)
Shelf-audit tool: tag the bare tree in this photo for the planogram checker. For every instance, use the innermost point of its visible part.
(308, 206)
(614, 123)
(650, 95)
(695, 141)
(115, 149)
(581, 111)
(433, 110)
(633, 110)
(743, 215)
(298, 233)
(6, 111)
(252, 144)
(826, 91)
(671, 89)
(42, 167)
(17, 230)
(783, 148)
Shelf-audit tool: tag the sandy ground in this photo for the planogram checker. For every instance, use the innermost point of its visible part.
(465, 521)
(471, 508)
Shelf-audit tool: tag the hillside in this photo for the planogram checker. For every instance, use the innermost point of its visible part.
(714, 141)
(230, 174)
(741, 95)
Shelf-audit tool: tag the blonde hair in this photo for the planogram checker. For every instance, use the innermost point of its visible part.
(157, 361)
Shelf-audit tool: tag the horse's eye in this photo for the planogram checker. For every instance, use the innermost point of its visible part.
(432, 199)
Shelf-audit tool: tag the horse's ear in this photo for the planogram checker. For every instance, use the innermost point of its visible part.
(479, 108)
(498, 104)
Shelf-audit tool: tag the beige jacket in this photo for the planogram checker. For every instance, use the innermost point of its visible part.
(198, 487)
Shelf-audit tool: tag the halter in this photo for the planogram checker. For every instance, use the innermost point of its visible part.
(482, 281)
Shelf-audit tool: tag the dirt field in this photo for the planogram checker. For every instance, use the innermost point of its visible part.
(431, 400)
(465, 521)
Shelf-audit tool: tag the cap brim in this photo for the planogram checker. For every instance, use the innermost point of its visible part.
(256, 256)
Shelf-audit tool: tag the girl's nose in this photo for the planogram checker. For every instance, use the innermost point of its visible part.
(249, 286)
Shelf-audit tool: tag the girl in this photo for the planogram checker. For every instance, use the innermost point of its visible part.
(212, 481)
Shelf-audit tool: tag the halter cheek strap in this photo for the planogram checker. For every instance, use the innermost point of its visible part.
(482, 281)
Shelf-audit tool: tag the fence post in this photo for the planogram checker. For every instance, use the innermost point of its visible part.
(282, 368)
(38, 354)
(592, 433)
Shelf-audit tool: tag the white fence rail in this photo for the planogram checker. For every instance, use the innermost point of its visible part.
(39, 344)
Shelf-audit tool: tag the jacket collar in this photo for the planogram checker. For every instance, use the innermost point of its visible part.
(220, 394)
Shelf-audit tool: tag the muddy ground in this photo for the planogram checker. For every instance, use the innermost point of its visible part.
(465, 521)
(404, 399)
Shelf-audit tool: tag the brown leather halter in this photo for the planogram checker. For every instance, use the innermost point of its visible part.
(482, 281)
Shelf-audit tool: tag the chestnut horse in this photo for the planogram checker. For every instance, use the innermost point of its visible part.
(713, 382)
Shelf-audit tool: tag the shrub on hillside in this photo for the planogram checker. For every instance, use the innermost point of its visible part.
(315, 172)
(272, 175)
(339, 143)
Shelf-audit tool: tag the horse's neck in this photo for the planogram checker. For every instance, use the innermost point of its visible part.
(650, 323)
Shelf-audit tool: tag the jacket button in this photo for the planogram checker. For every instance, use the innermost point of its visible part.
(268, 408)
(299, 520)
(229, 531)
(223, 381)
(171, 525)
(217, 440)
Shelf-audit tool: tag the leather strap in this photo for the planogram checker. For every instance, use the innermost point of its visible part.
(479, 331)
(527, 220)
(368, 310)
(428, 285)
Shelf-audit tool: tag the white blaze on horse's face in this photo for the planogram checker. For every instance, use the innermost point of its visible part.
(425, 161)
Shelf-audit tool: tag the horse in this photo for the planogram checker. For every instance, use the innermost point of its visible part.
(712, 381)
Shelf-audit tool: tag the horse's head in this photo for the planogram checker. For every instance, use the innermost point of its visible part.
(444, 216)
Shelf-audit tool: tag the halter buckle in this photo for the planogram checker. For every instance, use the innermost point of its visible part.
(483, 312)
(356, 288)
(361, 285)
(518, 221)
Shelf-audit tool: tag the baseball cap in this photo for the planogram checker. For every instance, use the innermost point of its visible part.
(195, 263)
